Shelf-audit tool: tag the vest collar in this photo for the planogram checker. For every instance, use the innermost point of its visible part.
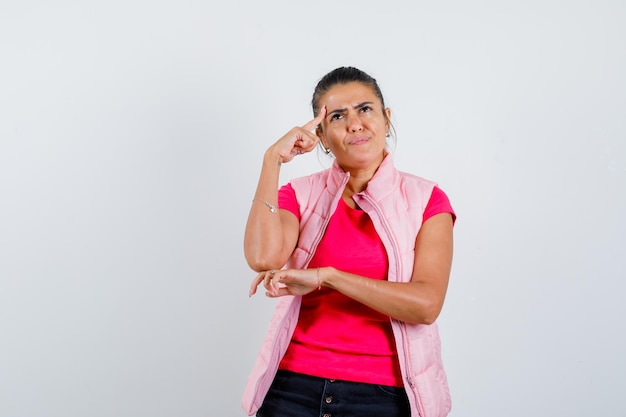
(382, 183)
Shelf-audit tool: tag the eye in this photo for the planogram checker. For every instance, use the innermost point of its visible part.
(336, 116)
(366, 109)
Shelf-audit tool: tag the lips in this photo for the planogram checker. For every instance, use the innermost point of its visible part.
(358, 141)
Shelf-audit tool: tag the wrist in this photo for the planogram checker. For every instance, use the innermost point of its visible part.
(323, 275)
(272, 158)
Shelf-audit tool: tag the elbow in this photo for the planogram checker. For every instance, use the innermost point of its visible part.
(259, 263)
(428, 314)
(260, 266)
(429, 319)
(421, 319)
(263, 257)
(433, 314)
(426, 303)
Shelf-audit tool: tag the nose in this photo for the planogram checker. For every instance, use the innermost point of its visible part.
(354, 123)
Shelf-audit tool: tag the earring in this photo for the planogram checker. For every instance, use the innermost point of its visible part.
(327, 150)
(387, 135)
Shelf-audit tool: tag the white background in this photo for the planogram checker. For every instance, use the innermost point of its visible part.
(131, 136)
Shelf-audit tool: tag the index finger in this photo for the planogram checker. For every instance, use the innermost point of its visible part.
(255, 283)
(313, 123)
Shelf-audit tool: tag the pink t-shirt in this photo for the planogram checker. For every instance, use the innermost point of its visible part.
(337, 337)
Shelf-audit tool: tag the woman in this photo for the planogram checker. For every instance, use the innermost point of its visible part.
(363, 252)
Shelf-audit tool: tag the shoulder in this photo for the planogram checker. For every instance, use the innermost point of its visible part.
(414, 183)
(311, 177)
(406, 176)
(307, 182)
(439, 203)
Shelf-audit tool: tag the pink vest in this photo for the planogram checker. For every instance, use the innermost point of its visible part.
(395, 201)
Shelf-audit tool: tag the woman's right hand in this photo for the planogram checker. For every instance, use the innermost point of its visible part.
(298, 140)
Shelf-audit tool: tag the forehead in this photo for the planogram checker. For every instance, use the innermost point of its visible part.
(347, 95)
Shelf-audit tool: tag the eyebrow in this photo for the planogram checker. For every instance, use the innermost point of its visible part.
(357, 107)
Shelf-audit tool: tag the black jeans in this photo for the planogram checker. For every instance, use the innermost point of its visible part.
(297, 395)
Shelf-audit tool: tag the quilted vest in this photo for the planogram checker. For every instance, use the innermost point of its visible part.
(395, 202)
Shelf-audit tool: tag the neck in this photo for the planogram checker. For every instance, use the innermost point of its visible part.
(359, 178)
(358, 182)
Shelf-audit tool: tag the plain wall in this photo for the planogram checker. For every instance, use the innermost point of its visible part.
(131, 137)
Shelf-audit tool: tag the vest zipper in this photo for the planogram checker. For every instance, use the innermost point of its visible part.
(401, 325)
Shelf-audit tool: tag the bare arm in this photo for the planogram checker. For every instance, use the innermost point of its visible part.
(418, 301)
(271, 234)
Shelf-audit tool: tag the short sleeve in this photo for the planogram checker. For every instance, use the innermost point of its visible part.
(287, 200)
(438, 203)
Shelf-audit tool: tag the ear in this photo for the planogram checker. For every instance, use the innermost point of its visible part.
(320, 134)
(388, 118)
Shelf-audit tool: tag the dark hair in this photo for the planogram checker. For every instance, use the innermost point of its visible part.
(344, 75)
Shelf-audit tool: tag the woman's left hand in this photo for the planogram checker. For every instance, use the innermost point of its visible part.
(287, 282)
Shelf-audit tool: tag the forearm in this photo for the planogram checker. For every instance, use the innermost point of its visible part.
(412, 302)
(263, 239)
